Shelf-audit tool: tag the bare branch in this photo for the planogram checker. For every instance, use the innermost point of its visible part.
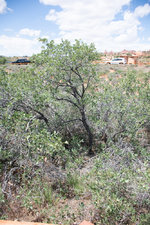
(67, 100)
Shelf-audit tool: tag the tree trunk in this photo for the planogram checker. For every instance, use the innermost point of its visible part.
(89, 132)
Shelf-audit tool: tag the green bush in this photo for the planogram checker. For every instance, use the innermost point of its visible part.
(2, 60)
(120, 186)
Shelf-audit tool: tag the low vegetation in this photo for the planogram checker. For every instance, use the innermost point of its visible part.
(74, 139)
(2, 60)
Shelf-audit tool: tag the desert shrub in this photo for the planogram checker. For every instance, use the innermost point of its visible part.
(69, 74)
(121, 107)
(36, 194)
(71, 186)
(120, 186)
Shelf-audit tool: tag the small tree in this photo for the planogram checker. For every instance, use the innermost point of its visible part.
(68, 70)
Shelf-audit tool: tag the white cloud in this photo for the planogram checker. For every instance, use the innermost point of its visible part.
(17, 46)
(30, 32)
(94, 21)
(3, 6)
(52, 16)
(142, 11)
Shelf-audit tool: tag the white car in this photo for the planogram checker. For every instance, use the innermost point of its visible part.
(118, 61)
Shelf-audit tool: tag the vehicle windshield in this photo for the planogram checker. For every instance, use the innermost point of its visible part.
(117, 59)
(21, 60)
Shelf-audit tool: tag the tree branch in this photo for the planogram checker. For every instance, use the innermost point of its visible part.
(67, 100)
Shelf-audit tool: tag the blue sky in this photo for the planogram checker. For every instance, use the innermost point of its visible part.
(111, 25)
